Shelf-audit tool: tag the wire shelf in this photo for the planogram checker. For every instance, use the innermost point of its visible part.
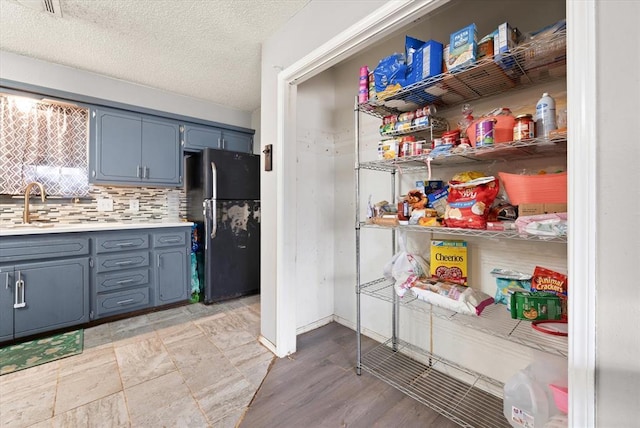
(524, 149)
(437, 126)
(494, 321)
(482, 233)
(533, 62)
(453, 391)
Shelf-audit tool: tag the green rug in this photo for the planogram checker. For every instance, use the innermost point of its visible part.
(40, 351)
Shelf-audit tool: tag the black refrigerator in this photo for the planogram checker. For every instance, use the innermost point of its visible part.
(223, 199)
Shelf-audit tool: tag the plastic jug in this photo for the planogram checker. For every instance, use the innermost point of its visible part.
(528, 401)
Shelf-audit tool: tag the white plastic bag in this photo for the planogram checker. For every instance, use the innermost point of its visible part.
(405, 267)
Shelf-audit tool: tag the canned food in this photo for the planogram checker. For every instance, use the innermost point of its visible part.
(421, 121)
(524, 127)
(484, 133)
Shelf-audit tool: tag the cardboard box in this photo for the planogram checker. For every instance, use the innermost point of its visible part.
(463, 45)
(426, 62)
(388, 149)
(506, 39)
(535, 209)
(449, 260)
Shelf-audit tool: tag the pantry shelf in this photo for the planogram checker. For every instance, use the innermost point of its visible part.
(453, 391)
(524, 149)
(495, 234)
(494, 321)
(536, 61)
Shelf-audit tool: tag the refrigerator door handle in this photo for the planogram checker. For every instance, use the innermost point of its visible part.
(214, 202)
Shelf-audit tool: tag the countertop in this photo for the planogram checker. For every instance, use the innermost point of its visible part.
(44, 228)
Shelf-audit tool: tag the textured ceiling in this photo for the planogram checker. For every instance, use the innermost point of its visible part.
(207, 49)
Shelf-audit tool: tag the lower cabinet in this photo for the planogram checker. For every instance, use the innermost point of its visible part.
(59, 280)
(40, 296)
(128, 277)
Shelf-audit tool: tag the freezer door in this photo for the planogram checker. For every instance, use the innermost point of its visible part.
(235, 175)
(232, 257)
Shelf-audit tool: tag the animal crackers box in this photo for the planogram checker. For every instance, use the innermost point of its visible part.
(449, 260)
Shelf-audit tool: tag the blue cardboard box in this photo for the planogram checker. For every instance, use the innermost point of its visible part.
(463, 45)
(426, 62)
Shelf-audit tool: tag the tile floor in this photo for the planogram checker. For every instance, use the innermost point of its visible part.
(192, 366)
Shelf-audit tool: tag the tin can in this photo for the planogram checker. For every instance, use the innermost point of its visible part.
(437, 142)
(421, 122)
(524, 127)
(484, 133)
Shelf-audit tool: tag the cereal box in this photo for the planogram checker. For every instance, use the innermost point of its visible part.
(449, 260)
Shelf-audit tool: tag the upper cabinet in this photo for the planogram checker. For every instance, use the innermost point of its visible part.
(198, 137)
(132, 148)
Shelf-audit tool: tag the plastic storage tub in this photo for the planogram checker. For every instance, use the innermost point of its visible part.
(535, 189)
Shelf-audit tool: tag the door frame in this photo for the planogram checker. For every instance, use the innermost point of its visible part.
(581, 96)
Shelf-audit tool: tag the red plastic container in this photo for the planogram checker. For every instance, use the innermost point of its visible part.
(560, 397)
(502, 129)
(535, 189)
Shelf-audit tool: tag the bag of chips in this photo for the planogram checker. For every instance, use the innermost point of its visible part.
(468, 203)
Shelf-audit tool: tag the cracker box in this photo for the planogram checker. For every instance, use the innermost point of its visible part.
(463, 45)
(427, 62)
(449, 260)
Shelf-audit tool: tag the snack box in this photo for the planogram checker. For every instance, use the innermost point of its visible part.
(426, 62)
(463, 45)
(506, 39)
(429, 186)
(388, 149)
(534, 306)
(449, 260)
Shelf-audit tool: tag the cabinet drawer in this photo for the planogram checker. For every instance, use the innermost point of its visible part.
(117, 280)
(121, 242)
(169, 239)
(42, 247)
(113, 262)
(122, 301)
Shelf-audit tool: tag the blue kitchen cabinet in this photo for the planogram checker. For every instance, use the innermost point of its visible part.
(171, 255)
(198, 137)
(134, 149)
(44, 295)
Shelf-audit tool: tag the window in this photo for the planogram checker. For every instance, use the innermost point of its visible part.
(45, 142)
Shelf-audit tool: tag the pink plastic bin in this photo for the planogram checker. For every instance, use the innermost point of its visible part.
(560, 397)
(535, 189)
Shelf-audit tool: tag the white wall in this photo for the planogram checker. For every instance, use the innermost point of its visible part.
(618, 215)
(318, 22)
(62, 78)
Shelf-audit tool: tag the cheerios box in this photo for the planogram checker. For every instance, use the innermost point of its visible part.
(449, 260)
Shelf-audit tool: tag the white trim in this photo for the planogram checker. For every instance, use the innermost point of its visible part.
(379, 24)
(317, 324)
(582, 120)
(267, 344)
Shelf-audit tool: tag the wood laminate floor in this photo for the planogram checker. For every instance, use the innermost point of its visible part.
(318, 387)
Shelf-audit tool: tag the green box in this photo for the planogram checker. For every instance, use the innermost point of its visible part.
(535, 306)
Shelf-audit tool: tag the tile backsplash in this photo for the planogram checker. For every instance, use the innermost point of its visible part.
(154, 205)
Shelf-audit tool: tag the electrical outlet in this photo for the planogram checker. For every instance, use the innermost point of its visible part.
(105, 204)
(134, 205)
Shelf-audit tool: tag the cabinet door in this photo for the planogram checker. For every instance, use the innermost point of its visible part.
(161, 152)
(237, 141)
(7, 285)
(171, 275)
(198, 137)
(116, 146)
(56, 295)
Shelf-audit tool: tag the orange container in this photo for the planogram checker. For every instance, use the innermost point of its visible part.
(502, 130)
(535, 189)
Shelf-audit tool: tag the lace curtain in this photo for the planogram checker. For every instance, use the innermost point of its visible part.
(45, 143)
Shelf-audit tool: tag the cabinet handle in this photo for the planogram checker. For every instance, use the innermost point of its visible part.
(139, 171)
(124, 281)
(6, 281)
(125, 302)
(158, 260)
(124, 244)
(221, 143)
(172, 240)
(126, 262)
(19, 300)
(146, 172)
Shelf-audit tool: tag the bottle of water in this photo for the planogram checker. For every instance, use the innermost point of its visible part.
(545, 115)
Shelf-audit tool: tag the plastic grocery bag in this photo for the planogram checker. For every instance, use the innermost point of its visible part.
(405, 268)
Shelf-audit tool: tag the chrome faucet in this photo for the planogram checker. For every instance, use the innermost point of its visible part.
(27, 191)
